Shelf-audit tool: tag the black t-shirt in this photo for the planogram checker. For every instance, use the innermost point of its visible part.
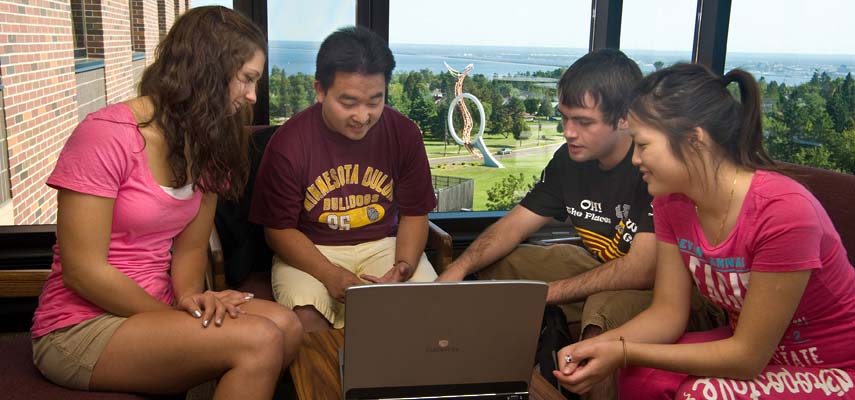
(606, 207)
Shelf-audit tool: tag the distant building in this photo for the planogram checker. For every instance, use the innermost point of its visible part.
(60, 60)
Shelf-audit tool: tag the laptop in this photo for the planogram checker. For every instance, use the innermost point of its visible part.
(473, 340)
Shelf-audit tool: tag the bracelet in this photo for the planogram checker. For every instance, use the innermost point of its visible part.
(623, 343)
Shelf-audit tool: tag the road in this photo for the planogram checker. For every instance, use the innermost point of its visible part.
(550, 148)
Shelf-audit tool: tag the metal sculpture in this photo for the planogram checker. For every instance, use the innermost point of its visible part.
(465, 139)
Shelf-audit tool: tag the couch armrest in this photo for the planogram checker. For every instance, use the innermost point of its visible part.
(440, 241)
(22, 282)
(215, 276)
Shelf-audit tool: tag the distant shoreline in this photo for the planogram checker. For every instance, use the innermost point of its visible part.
(791, 69)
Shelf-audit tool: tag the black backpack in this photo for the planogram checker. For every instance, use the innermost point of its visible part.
(554, 335)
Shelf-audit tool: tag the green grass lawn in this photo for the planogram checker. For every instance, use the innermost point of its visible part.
(486, 177)
(494, 142)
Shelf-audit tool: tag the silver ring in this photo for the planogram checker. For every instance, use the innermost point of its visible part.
(567, 359)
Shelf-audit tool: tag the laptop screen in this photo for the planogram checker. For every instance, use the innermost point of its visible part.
(441, 339)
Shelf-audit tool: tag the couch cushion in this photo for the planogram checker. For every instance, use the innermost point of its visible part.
(834, 192)
(19, 378)
(258, 283)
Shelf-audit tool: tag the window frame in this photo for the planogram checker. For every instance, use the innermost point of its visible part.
(709, 48)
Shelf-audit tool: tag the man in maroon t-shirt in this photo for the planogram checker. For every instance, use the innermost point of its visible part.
(344, 186)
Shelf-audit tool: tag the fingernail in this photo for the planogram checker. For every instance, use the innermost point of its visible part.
(205, 323)
(219, 322)
(197, 314)
(249, 297)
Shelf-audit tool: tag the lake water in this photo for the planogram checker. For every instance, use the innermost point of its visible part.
(493, 61)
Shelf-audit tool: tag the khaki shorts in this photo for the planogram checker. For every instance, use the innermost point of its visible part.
(606, 310)
(68, 355)
(294, 288)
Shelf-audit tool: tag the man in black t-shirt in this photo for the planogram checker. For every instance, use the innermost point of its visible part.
(591, 180)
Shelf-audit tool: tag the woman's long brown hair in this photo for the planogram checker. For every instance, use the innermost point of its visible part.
(189, 86)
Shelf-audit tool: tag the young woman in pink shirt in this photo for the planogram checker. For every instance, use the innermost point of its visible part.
(753, 241)
(124, 308)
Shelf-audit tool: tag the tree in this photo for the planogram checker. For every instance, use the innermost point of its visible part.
(278, 82)
(300, 92)
(502, 120)
(531, 105)
(518, 128)
(818, 157)
(843, 147)
(423, 113)
(438, 126)
(545, 109)
(838, 111)
(396, 97)
(509, 192)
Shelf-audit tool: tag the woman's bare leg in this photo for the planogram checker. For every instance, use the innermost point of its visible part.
(167, 352)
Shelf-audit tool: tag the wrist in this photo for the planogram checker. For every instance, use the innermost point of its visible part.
(623, 346)
(458, 268)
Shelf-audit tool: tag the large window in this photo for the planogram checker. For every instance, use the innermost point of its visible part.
(200, 3)
(518, 52)
(803, 56)
(657, 34)
(296, 30)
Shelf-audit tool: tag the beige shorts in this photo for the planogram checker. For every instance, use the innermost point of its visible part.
(293, 287)
(68, 355)
(606, 310)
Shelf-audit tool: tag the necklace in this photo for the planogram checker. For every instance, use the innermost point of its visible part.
(726, 213)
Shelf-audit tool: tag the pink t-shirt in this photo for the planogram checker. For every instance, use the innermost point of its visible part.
(781, 227)
(105, 157)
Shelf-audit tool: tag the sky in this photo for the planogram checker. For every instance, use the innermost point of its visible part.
(768, 26)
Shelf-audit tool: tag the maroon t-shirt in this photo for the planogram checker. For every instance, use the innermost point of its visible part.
(338, 191)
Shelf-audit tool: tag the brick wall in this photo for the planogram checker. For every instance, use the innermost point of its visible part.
(37, 68)
(117, 49)
(146, 31)
(161, 17)
(5, 188)
(91, 94)
(170, 13)
(139, 67)
(93, 27)
(79, 28)
(43, 102)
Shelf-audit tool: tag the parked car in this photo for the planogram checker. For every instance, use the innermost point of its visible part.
(503, 151)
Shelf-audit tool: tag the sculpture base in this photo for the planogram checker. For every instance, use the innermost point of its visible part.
(489, 160)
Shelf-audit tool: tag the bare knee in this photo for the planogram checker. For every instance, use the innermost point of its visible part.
(291, 328)
(261, 343)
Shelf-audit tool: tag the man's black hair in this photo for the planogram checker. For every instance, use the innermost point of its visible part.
(353, 49)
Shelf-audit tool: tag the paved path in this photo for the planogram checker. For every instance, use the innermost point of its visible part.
(550, 148)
